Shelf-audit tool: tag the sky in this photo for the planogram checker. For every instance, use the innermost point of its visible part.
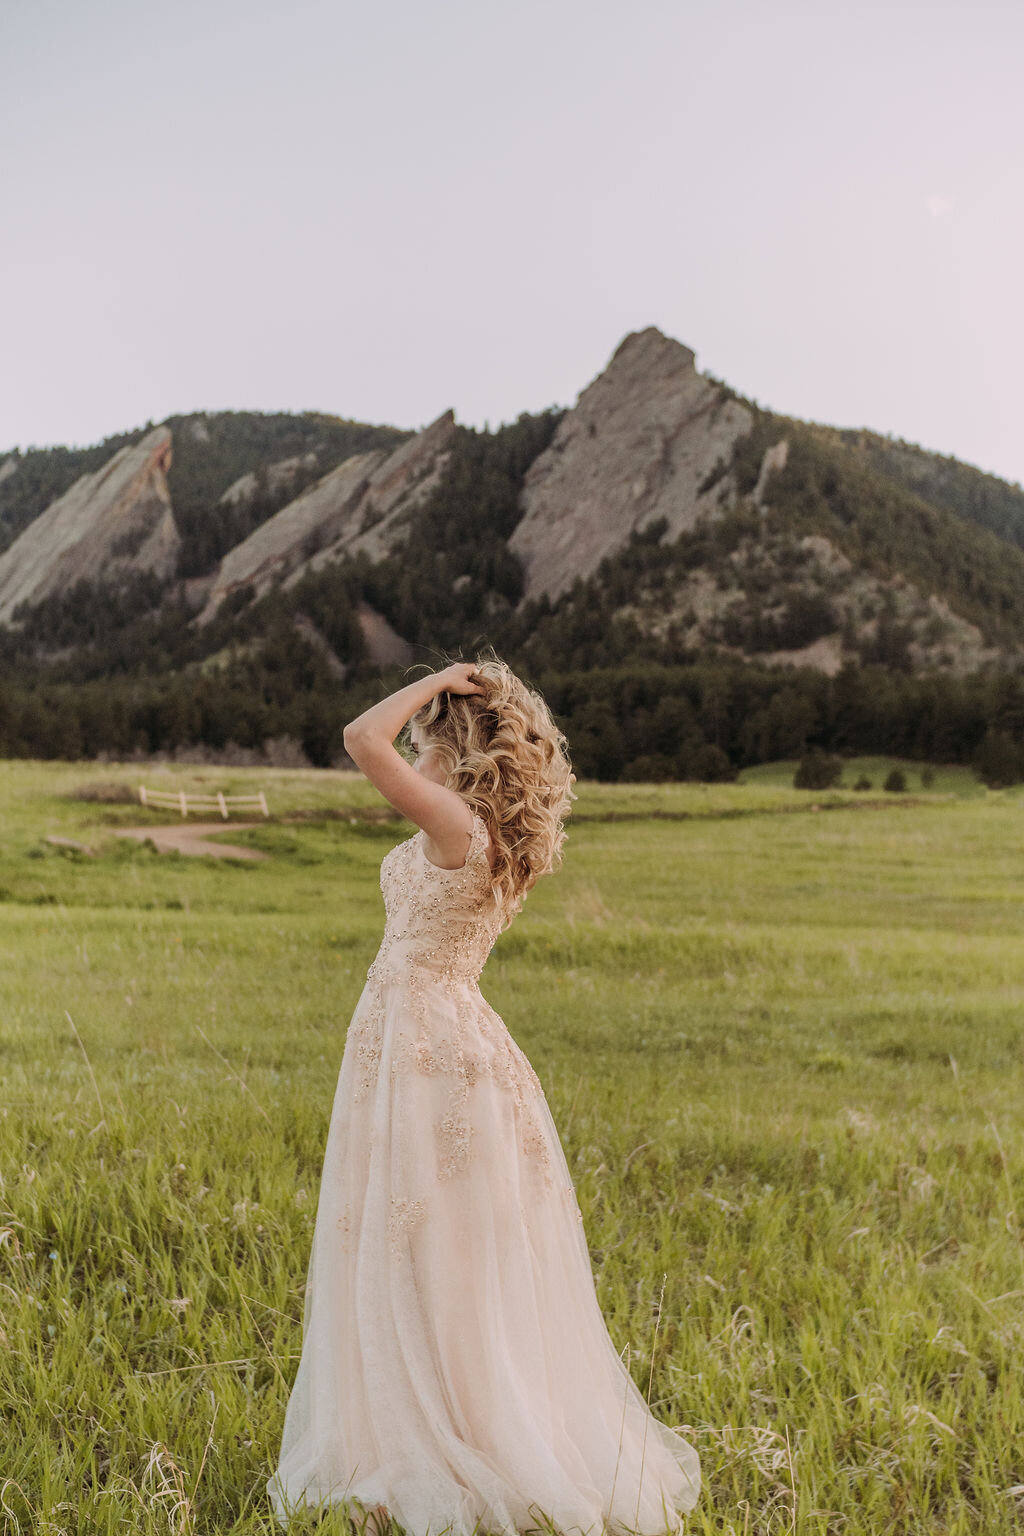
(383, 210)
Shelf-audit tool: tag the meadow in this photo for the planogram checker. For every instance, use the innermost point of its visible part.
(781, 1033)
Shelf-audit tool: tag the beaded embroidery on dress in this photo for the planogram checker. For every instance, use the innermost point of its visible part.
(456, 1367)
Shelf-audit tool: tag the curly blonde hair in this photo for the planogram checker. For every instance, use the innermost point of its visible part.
(509, 761)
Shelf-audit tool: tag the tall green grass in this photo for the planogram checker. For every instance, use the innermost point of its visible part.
(784, 1049)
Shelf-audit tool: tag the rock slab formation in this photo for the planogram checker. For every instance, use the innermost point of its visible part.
(363, 504)
(109, 524)
(636, 447)
(277, 478)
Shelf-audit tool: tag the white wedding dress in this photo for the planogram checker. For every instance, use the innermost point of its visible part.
(456, 1367)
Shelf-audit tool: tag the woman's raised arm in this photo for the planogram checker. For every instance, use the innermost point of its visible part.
(369, 739)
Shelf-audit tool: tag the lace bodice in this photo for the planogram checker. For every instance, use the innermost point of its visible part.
(444, 921)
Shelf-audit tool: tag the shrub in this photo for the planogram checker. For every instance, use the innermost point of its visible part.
(105, 793)
(808, 616)
(895, 781)
(818, 770)
(999, 759)
(707, 764)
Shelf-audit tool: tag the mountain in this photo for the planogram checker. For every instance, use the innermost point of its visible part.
(640, 445)
(229, 470)
(220, 577)
(362, 505)
(110, 523)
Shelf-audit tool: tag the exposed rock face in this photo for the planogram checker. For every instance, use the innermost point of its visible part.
(704, 607)
(636, 447)
(386, 646)
(305, 626)
(111, 523)
(278, 476)
(774, 460)
(363, 504)
(286, 540)
(403, 482)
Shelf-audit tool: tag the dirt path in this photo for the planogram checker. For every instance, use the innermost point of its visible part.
(192, 837)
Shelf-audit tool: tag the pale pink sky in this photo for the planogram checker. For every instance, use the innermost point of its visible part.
(385, 209)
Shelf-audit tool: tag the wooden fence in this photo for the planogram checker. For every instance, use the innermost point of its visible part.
(163, 799)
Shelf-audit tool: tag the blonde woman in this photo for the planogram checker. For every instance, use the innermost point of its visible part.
(456, 1372)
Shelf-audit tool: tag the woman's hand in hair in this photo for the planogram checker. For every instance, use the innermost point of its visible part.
(458, 678)
(442, 813)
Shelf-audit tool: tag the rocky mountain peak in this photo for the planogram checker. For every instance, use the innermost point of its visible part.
(650, 350)
(638, 446)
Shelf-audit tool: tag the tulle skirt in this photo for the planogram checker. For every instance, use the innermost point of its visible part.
(456, 1367)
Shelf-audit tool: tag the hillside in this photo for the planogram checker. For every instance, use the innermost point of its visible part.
(942, 480)
(212, 452)
(663, 522)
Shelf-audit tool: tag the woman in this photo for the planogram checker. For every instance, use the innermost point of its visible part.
(456, 1372)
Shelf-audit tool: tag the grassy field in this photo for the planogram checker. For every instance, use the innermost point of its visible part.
(781, 1032)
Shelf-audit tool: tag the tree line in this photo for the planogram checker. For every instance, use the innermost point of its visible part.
(650, 722)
